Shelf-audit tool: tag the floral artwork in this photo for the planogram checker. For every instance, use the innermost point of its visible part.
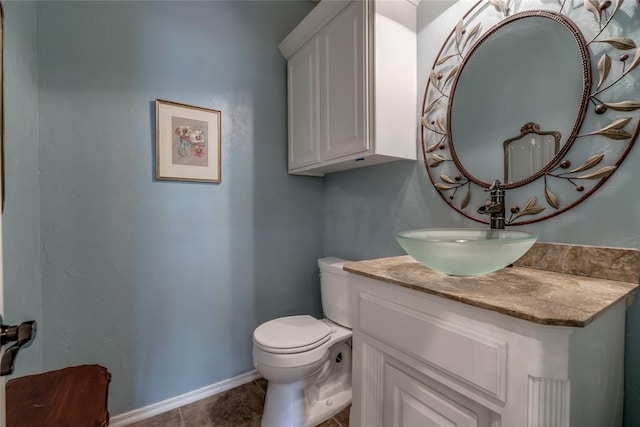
(187, 142)
(190, 142)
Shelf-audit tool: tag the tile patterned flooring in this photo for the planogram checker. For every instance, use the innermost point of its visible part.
(238, 407)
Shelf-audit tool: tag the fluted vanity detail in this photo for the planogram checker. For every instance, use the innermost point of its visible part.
(519, 346)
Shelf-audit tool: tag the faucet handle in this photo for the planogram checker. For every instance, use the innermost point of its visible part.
(491, 209)
(496, 185)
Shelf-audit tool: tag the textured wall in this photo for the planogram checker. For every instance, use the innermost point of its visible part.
(21, 218)
(164, 282)
(364, 208)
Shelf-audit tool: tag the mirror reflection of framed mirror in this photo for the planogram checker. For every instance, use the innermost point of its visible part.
(563, 66)
(529, 152)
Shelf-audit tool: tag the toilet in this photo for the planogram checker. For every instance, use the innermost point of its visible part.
(307, 361)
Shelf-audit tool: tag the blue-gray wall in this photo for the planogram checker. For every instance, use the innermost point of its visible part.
(21, 218)
(161, 282)
(364, 208)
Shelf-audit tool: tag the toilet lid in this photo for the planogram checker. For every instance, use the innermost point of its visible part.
(291, 334)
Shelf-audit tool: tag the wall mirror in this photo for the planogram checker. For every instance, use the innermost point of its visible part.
(536, 95)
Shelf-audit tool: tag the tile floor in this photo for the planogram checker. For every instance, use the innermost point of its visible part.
(238, 407)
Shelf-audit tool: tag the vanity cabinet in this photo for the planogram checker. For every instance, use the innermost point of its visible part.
(424, 360)
(351, 86)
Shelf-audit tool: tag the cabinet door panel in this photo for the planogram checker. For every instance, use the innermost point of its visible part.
(304, 105)
(343, 84)
(409, 403)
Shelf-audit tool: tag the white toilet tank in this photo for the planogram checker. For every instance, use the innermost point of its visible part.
(336, 295)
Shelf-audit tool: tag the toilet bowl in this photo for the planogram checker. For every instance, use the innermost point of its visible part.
(307, 361)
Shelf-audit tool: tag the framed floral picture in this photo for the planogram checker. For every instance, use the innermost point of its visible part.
(188, 144)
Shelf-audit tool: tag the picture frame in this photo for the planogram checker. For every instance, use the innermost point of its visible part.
(188, 142)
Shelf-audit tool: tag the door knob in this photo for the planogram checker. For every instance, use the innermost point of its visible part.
(20, 334)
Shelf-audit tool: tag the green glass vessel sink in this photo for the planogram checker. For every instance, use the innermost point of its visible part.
(466, 251)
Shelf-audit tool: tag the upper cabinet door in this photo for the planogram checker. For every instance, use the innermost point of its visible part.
(344, 112)
(304, 105)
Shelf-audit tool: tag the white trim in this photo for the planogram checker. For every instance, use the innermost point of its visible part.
(137, 415)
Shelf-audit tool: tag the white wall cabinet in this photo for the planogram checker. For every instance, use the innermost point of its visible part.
(421, 360)
(351, 71)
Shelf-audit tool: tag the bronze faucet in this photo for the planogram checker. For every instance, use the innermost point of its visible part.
(495, 206)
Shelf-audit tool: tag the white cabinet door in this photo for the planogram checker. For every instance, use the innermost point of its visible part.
(410, 403)
(344, 121)
(304, 105)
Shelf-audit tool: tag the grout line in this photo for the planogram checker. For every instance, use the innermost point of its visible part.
(181, 419)
(260, 387)
(255, 384)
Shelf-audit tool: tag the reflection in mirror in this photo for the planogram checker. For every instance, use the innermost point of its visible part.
(529, 152)
(490, 99)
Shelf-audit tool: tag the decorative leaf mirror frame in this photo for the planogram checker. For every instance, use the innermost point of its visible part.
(606, 122)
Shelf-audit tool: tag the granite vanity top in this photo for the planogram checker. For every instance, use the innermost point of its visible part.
(544, 297)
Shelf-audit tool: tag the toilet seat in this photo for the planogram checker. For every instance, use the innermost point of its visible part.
(292, 334)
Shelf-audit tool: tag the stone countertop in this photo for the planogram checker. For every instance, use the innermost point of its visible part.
(544, 297)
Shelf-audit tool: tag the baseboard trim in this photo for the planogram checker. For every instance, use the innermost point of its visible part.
(137, 415)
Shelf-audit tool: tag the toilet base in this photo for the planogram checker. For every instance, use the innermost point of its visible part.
(322, 410)
(286, 406)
